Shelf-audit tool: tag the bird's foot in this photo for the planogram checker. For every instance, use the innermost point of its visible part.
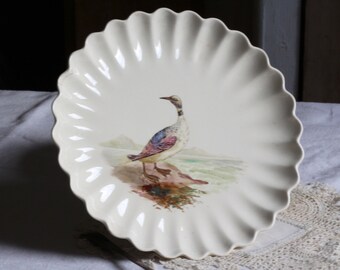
(152, 178)
(164, 172)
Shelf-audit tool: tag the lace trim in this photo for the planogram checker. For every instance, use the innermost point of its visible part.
(315, 244)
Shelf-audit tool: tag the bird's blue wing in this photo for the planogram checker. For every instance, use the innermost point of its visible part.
(158, 143)
(158, 137)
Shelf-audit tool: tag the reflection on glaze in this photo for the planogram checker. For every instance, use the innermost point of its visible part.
(177, 53)
(83, 128)
(75, 138)
(85, 107)
(78, 95)
(104, 69)
(140, 219)
(83, 157)
(91, 79)
(161, 225)
(95, 172)
(75, 116)
(93, 89)
(158, 49)
(121, 208)
(138, 52)
(120, 58)
(106, 192)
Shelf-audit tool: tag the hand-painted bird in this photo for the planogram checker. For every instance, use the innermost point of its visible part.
(165, 143)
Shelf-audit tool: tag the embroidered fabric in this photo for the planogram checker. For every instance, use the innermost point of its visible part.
(305, 236)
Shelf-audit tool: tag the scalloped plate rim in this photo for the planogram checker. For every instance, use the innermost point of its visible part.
(69, 73)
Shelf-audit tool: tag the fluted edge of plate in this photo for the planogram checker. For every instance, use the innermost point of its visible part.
(169, 254)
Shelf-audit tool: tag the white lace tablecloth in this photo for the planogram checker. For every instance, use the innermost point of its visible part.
(42, 222)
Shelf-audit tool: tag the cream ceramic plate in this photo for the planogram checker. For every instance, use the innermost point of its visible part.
(240, 162)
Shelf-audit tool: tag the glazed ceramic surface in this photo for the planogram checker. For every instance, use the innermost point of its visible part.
(239, 163)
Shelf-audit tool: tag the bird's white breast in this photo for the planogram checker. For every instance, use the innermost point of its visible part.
(181, 131)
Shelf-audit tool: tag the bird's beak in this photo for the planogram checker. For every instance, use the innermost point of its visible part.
(166, 98)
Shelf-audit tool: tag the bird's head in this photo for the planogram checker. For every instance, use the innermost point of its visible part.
(176, 100)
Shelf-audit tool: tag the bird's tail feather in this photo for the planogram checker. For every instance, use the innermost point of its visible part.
(133, 157)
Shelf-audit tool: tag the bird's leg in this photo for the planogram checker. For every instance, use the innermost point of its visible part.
(164, 172)
(152, 178)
